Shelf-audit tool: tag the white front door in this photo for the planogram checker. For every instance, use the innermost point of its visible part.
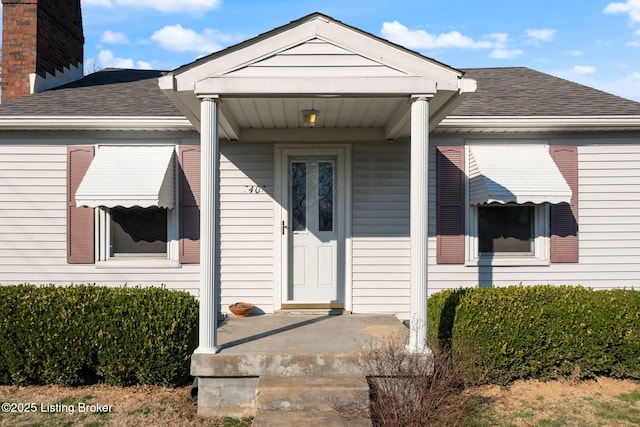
(313, 229)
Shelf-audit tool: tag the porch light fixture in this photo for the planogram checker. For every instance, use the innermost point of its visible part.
(309, 118)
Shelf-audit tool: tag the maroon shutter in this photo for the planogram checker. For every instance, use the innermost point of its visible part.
(450, 205)
(80, 221)
(189, 204)
(564, 217)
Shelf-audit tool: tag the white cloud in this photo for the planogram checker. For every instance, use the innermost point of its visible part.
(500, 50)
(635, 75)
(633, 44)
(584, 69)
(113, 37)
(541, 34)
(101, 3)
(106, 59)
(505, 53)
(165, 6)
(176, 38)
(420, 39)
(632, 7)
(575, 53)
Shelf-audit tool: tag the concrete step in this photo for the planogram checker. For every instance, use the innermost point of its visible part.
(308, 400)
(306, 419)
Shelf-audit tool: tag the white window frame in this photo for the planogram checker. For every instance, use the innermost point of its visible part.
(103, 239)
(541, 244)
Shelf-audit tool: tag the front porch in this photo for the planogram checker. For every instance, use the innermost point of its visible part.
(364, 94)
(304, 346)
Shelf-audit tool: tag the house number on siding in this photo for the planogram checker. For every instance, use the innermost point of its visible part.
(255, 189)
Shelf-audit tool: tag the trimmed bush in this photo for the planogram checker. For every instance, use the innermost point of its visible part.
(441, 312)
(84, 334)
(547, 332)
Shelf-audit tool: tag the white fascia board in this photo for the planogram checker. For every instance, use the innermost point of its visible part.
(466, 85)
(310, 86)
(542, 123)
(92, 123)
(255, 50)
(389, 54)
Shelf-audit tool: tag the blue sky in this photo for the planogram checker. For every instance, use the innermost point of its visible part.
(592, 42)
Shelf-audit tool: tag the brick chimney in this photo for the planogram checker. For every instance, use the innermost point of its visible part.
(42, 45)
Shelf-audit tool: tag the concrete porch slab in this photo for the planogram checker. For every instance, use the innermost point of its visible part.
(283, 346)
(294, 344)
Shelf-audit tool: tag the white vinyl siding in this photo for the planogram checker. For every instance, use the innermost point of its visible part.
(380, 218)
(246, 224)
(316, 58)
(32, 208)
(33, 225)
(609, 226)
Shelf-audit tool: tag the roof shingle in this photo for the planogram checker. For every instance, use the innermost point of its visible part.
(511, 91)
(519, 91)
(111, 92)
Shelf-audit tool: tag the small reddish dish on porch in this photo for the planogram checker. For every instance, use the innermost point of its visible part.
(241, 309)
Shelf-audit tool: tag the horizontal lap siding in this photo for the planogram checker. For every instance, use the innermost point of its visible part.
(380, 223)
(32, 209)
(609, 245)
(246, 224)
(33, 227)
(609, 212)
(315, 58)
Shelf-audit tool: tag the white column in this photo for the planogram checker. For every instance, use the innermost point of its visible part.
(209, 233)
(419, 222)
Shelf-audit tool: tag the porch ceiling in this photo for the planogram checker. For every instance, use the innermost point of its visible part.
(390, 115)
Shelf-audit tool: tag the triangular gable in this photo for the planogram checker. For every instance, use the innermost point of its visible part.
(302, 35)
(316, 58)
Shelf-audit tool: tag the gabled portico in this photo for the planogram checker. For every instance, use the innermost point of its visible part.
(364, 88)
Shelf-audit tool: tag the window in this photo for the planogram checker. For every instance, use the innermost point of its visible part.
(505, 230)
(325, 196)
(134, 191)
(138, 231)
(299, 196)
(133, 205)
(509, 234)
(506, 204)
(136, 235)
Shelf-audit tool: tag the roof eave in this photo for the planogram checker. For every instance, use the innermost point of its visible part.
(164, 123)
(469, 124)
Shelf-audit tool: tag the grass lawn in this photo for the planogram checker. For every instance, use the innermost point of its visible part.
(604, 402)
(101, 405)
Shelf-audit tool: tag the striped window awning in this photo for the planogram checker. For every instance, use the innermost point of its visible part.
(129, 176)
(515, 174)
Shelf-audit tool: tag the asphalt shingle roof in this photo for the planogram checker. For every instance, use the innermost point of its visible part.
(519, 91)
(111, 92)
(501, 92)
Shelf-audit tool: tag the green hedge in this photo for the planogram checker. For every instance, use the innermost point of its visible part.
(545, 332)
(84, 334)
(441, 313)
